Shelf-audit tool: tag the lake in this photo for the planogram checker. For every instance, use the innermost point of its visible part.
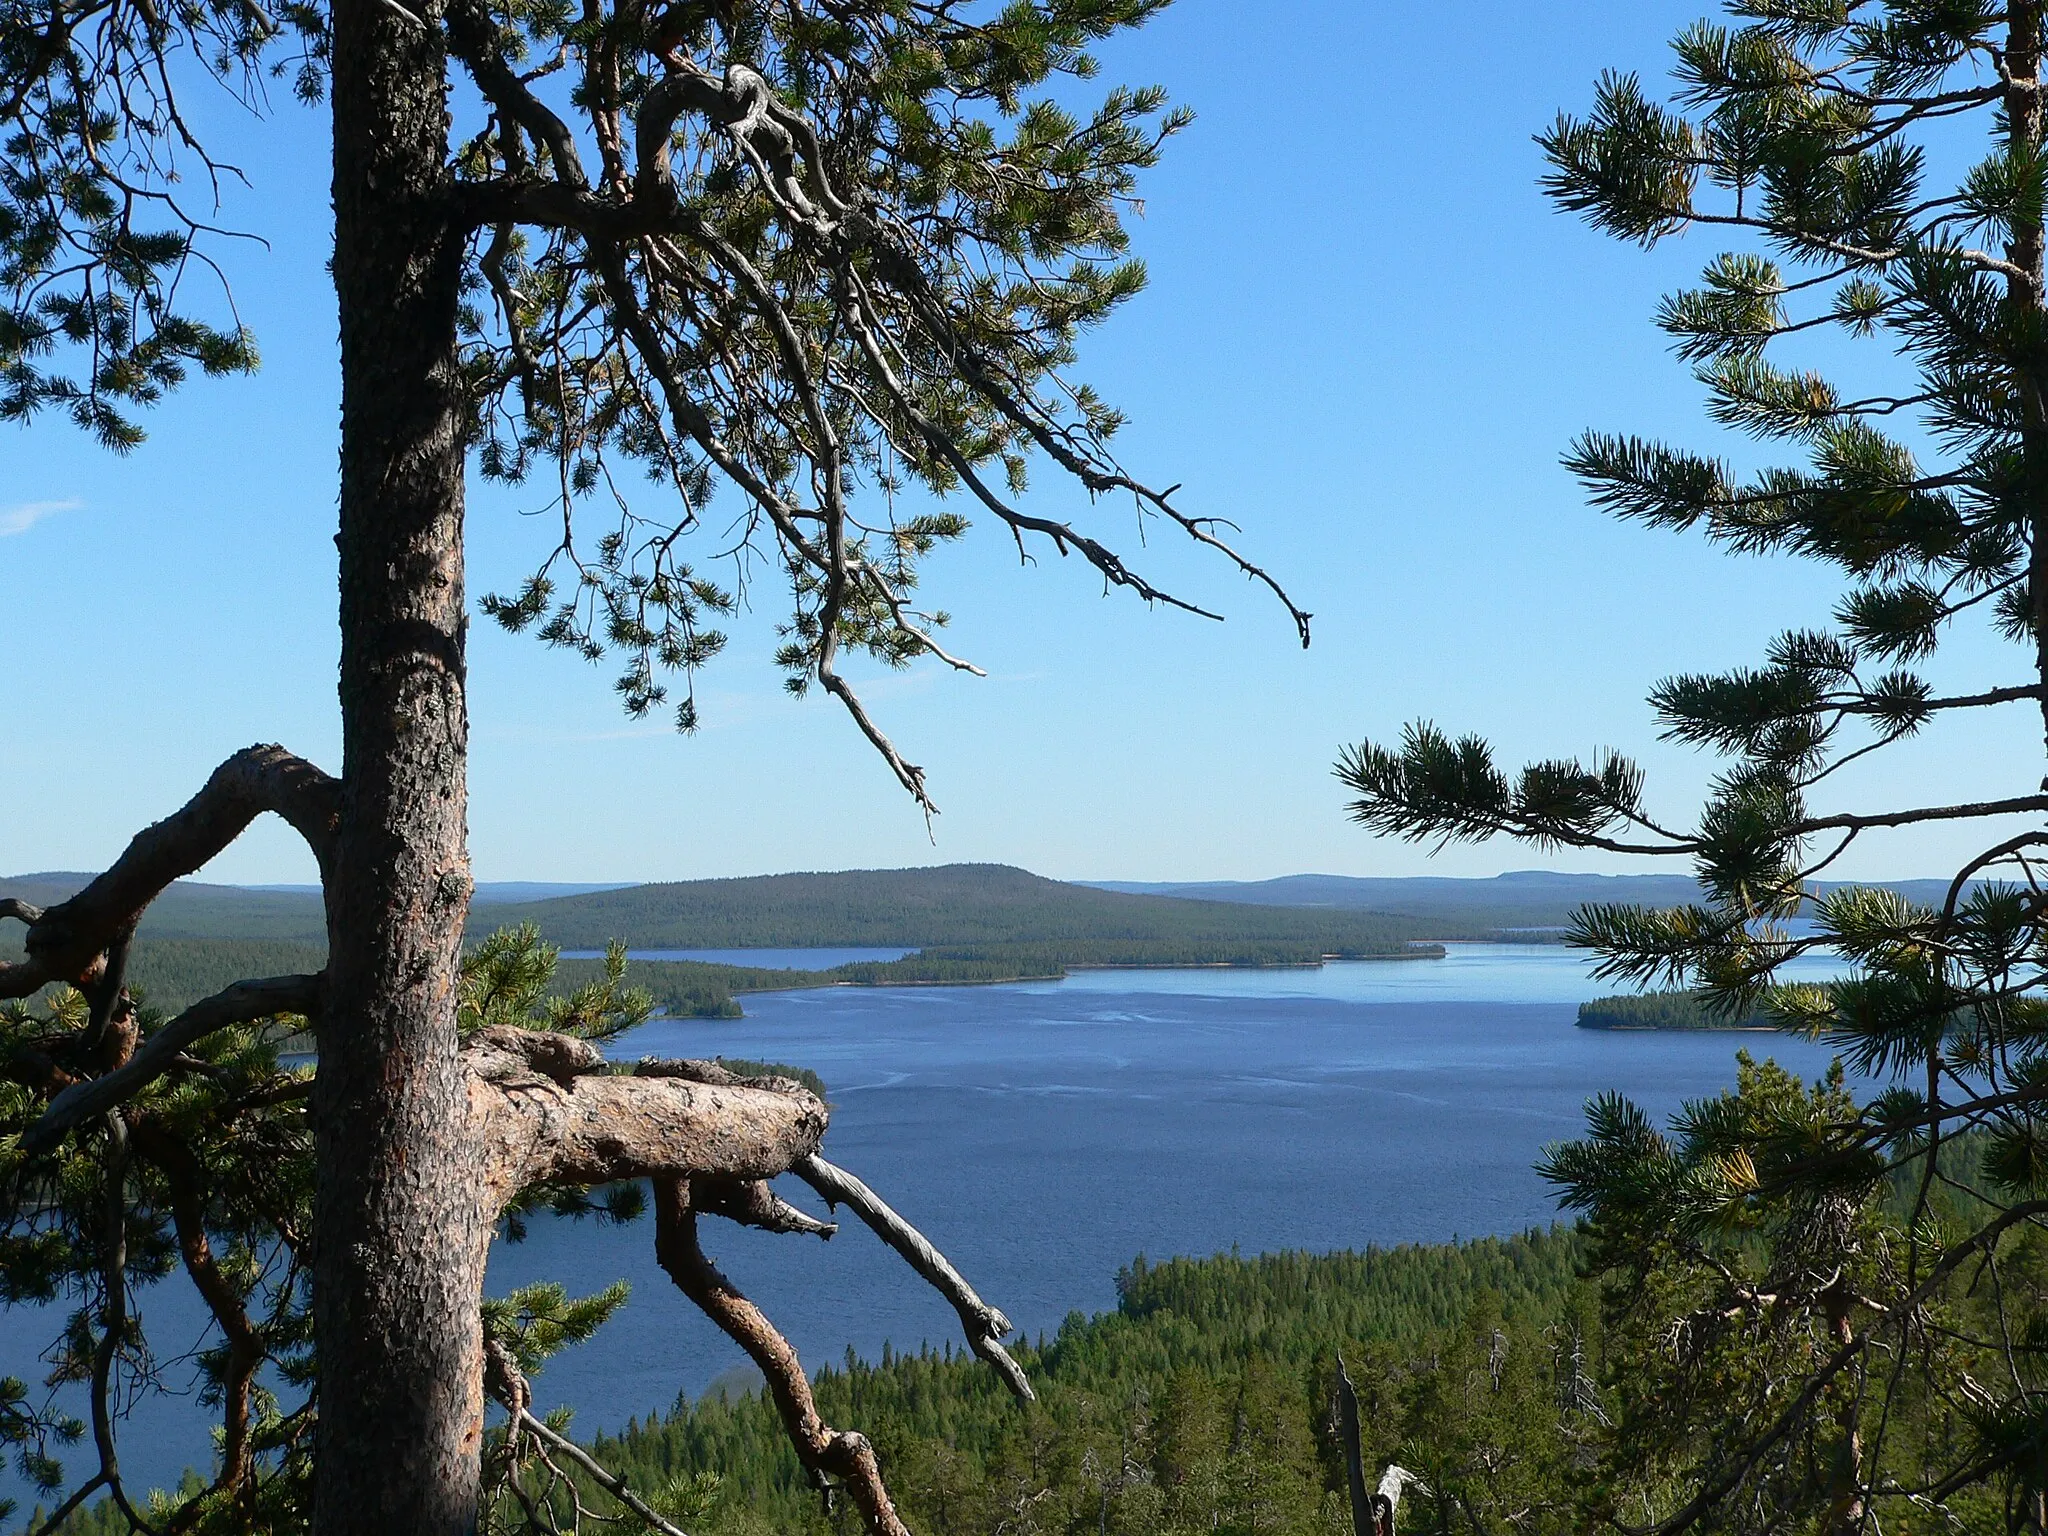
(1044, 1133)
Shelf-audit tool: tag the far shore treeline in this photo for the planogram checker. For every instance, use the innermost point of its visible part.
(968, 924)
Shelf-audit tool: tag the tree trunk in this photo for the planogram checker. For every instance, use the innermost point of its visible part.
(400, 1234)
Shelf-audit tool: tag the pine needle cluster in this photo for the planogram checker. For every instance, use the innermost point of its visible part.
(1807, 1277)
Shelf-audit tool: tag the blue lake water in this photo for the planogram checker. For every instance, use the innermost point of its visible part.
(1044, 1133)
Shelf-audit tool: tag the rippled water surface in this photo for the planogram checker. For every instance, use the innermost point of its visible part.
(1042, 1134)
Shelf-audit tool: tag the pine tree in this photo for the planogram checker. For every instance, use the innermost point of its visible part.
(1820, 1285)
(790, 254)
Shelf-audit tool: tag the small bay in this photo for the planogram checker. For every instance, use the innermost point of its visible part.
(1045, 1133)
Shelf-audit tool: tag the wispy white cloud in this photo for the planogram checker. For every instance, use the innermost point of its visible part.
(24, 515)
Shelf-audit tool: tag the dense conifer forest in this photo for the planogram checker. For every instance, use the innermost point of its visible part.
(1203, 1402)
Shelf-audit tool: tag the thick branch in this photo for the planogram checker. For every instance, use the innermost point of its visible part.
(824, 1451)
(2014, 806)
(1479, 825)
(243, 1003)
(471, 38)
(66, 942)
(583, 1126)
(984, 1325)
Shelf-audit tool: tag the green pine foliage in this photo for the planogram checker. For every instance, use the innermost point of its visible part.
(1805, 1352)
(214, 1177)
(1740, 1255)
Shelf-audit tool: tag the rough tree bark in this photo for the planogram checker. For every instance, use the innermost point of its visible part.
(399, 1234)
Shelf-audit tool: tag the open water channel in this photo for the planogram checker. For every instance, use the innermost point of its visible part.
(1044, 1133)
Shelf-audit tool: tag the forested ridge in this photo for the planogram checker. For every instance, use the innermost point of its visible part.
(952, 905)
(193, 909)
(175, 973)
(969, 923)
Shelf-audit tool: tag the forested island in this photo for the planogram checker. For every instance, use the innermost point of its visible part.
(1663, 1010)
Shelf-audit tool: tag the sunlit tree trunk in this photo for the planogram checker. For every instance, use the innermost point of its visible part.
(400, 1233)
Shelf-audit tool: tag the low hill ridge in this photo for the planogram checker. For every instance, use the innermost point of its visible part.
(948, 904)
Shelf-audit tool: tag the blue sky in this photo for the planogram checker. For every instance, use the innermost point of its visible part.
(1367, 340)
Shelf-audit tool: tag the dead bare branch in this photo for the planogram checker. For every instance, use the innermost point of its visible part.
(985, 1325)
(825, 1452)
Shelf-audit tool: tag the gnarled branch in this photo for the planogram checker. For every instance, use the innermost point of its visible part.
(825, 1452)
(67, 942)
(577, 1124)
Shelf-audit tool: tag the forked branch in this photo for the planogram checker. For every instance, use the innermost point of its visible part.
(826, 1453)
(547, 1110)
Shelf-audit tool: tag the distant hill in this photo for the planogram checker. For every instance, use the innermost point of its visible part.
(490, 892)
(985, 918)
(191, 909)
(952, 905)
(972, 923)
(1530, 898)
(194, 909)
